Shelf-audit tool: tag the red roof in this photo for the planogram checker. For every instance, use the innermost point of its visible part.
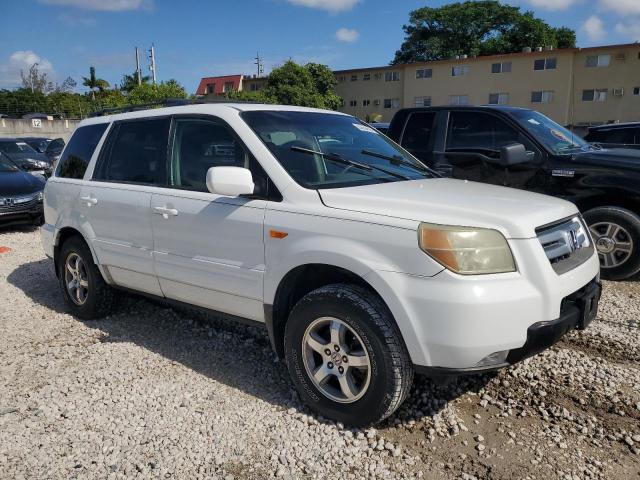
(218, 83)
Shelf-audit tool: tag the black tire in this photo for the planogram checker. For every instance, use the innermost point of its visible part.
(99, 297)
(391, 368)
(629, 222)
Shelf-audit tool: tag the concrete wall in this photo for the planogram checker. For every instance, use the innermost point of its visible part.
(11, 127)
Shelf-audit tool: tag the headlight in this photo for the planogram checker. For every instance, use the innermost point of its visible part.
(467, 250)
(38, 196)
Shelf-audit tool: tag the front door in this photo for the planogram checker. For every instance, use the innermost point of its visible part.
(209, 249)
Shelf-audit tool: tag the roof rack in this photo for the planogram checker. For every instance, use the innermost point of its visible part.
(169, 102)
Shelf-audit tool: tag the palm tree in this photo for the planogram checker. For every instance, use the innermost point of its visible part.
(94, 83)
(129, 82)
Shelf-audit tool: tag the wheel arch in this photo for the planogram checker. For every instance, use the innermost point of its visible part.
(62, 235)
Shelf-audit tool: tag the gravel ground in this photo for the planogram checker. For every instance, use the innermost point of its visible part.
(152, 392)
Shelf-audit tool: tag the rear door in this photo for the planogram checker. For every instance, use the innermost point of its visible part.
(117, 200)
(209, 249)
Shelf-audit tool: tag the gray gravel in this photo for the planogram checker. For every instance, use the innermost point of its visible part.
(152, 392)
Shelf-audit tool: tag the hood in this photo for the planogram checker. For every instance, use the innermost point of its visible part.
(19, 183)
(614, 157)
(20, 157)
(515, 213)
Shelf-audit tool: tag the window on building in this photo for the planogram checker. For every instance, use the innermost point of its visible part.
(366, 77)
(341, 78)
(391, 103)
(498, 98)
(598, 95)
(354, 78)
(353, 103)
(228, 86)
(211, 88)
(458, 99)
(254, 87)
(545, 64)
(424, 73)
(501, 67)
(543, 96)
(366, 103)
(459, 70)
(377, 76)
(136, 153)
(598, 60)
(392, 76)
(376, 102)
(422, 101)
(636, 90)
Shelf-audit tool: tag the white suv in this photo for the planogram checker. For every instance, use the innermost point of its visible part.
(362, 263)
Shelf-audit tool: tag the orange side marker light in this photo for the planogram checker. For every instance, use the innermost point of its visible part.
(277, 234)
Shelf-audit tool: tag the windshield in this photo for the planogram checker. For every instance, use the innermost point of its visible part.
(15, 147)
(558, 139)
(324, 150)
(6, 165)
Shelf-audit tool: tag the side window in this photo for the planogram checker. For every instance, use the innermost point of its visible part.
(136, 152)
(417, 132)
(76, 157)
(619, 135)
(199, 144)
(480, 131)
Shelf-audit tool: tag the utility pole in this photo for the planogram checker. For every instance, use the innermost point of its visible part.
(258, 62)
(152, 64)
(138, 72)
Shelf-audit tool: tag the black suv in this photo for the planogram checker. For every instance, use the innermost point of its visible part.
(522, 148)
(615, 135)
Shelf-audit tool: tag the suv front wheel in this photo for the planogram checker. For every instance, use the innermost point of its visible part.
(616, 235)
(346, 356)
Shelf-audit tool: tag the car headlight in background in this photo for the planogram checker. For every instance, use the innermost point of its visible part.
(467, 250)
(39, 196)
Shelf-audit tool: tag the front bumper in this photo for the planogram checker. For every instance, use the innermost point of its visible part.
(577, 312)
(31, 214)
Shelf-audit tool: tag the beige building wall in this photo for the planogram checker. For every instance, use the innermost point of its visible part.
(566, 83)
(352, 86)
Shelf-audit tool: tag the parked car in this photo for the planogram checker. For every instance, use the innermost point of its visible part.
(39, 144)
(615, 135)
(20, 195)
(382, 127)
(522, 148)
(26, 157)
(364, 266)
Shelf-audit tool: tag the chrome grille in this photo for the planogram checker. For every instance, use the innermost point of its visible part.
(566, 243)
(18, 204)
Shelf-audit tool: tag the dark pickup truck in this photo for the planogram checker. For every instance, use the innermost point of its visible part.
(522, 148)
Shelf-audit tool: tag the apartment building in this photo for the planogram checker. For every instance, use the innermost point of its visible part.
(576, 87)
(213, 86)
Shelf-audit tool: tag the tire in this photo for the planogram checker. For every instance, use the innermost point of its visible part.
(379, 389)
(98, 299)
(616, 234)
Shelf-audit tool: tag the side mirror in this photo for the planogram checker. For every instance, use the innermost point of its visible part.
(230, 181)
(514, 154)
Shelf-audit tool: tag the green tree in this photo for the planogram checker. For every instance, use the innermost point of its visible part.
(475, 28)
(129, 82)
(94, 83)
(150, 93)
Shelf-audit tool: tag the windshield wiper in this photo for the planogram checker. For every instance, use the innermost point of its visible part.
(396, 160)
(345, 161)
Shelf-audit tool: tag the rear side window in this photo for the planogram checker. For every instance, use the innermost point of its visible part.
(83, 143)
(136, 152)
(417, 133)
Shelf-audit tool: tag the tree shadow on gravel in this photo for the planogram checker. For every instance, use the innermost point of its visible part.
(226, 351)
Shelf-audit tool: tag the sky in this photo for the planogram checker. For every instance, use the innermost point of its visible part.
(215, 37)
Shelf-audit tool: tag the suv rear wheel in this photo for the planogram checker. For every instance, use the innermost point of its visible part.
(616, 234)
(85, 292)
(346, 356)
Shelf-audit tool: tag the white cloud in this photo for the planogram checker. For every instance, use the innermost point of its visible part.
(22, 60)
(553, 4)
(347, 35)
(630, 29)
(622, 7)
(76, 20)
(594, 28)
(105, 5)
(333, 6)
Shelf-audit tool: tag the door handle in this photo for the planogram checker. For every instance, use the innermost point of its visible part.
(89, 200)
(165, 211)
